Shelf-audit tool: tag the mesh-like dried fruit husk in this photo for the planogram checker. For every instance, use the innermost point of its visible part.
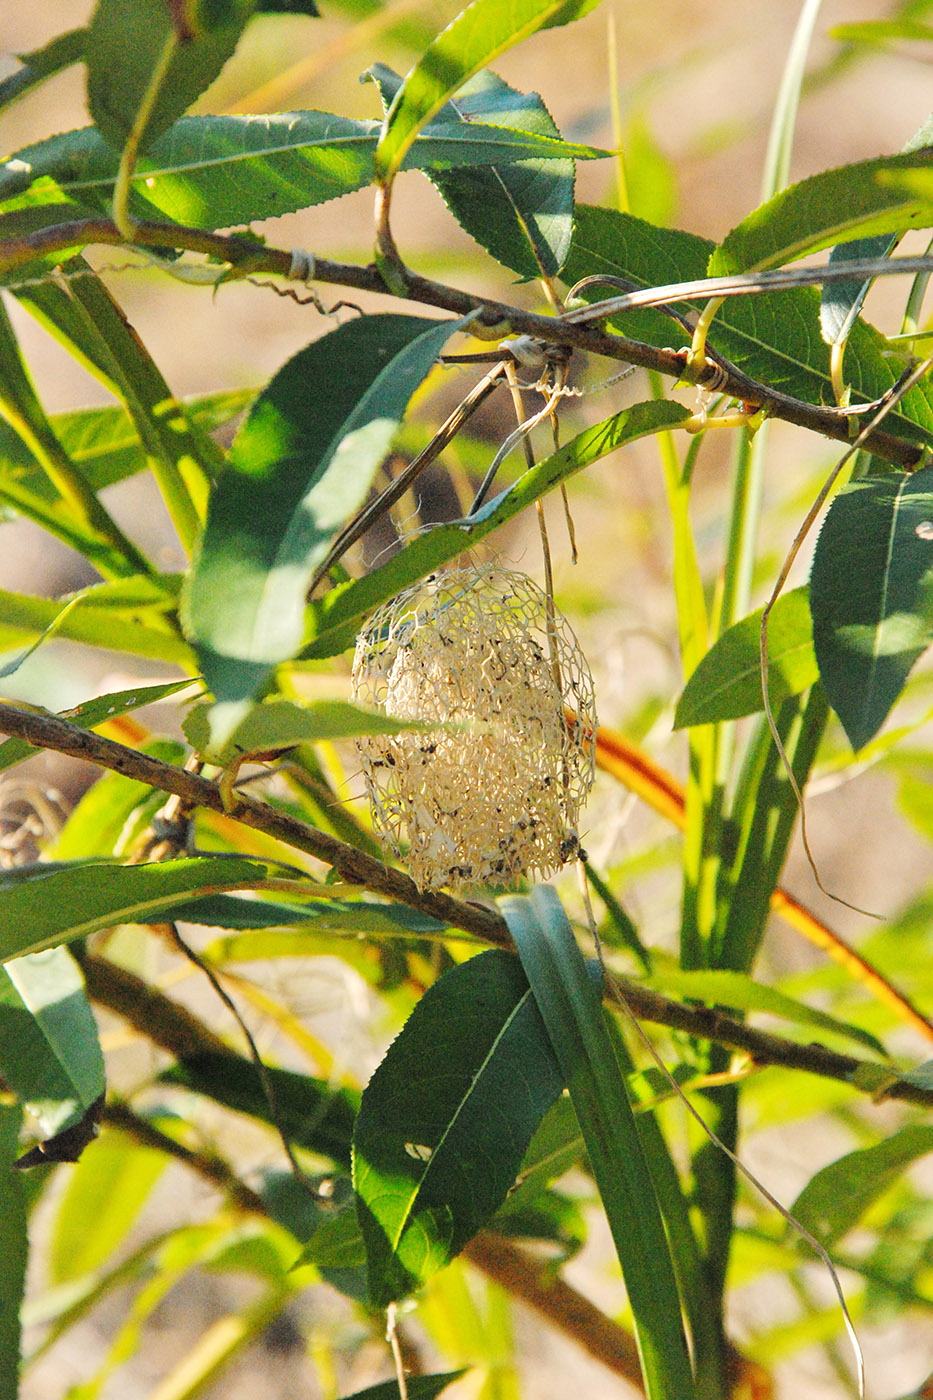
(499, 798)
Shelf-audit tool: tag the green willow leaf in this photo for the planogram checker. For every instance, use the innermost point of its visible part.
(742, 993)
(14, 1248)
(571, 1008)
(841, 302)
(833, 1201)
(110, 1185)
(312, 1113)
(50, 1053)
(863, 200)
(727, 682)
(324, 916)
(441, 1132)
(216, 171)
(43, 905)
(104, 443)
(772, 338)
(281, 724)
(125, 42)
(339, 610)
(138, 629)
(472, 41)
(522, 214)
(301, 466)
(871, 596)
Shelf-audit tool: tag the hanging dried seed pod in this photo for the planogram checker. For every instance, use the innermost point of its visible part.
(499, 798)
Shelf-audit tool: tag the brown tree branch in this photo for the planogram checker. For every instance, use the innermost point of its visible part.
(48, 731)
(495, 318)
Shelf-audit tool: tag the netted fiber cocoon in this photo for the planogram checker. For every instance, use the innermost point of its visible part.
(499, 798)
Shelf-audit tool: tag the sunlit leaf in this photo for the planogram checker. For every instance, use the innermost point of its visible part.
(214, 171)
(301, 465)
(49, 1049)
(472, 41)
(869, 198)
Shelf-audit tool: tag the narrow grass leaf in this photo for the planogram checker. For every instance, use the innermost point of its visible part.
(572, 1011)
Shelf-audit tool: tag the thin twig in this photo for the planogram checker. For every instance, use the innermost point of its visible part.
(495, 319)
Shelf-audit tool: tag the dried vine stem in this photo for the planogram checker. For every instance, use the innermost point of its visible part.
(495, 318)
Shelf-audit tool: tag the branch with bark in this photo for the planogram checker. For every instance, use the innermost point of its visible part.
(486, 924)
(494, 319)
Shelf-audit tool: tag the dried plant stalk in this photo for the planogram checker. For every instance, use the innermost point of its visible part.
(500, 797)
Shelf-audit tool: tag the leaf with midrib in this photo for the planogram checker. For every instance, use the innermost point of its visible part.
(49, 1048)
(523, 213)
(42, 905)
(773, 338)
(215, 171)
(834, 1200)
(446, 1119)
(727, 683)
(871, 595)
(854, 201)
(300, 467)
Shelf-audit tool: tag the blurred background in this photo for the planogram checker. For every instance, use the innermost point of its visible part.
(695, 89)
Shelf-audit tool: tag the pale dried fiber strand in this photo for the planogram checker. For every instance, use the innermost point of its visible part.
(499, 796)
